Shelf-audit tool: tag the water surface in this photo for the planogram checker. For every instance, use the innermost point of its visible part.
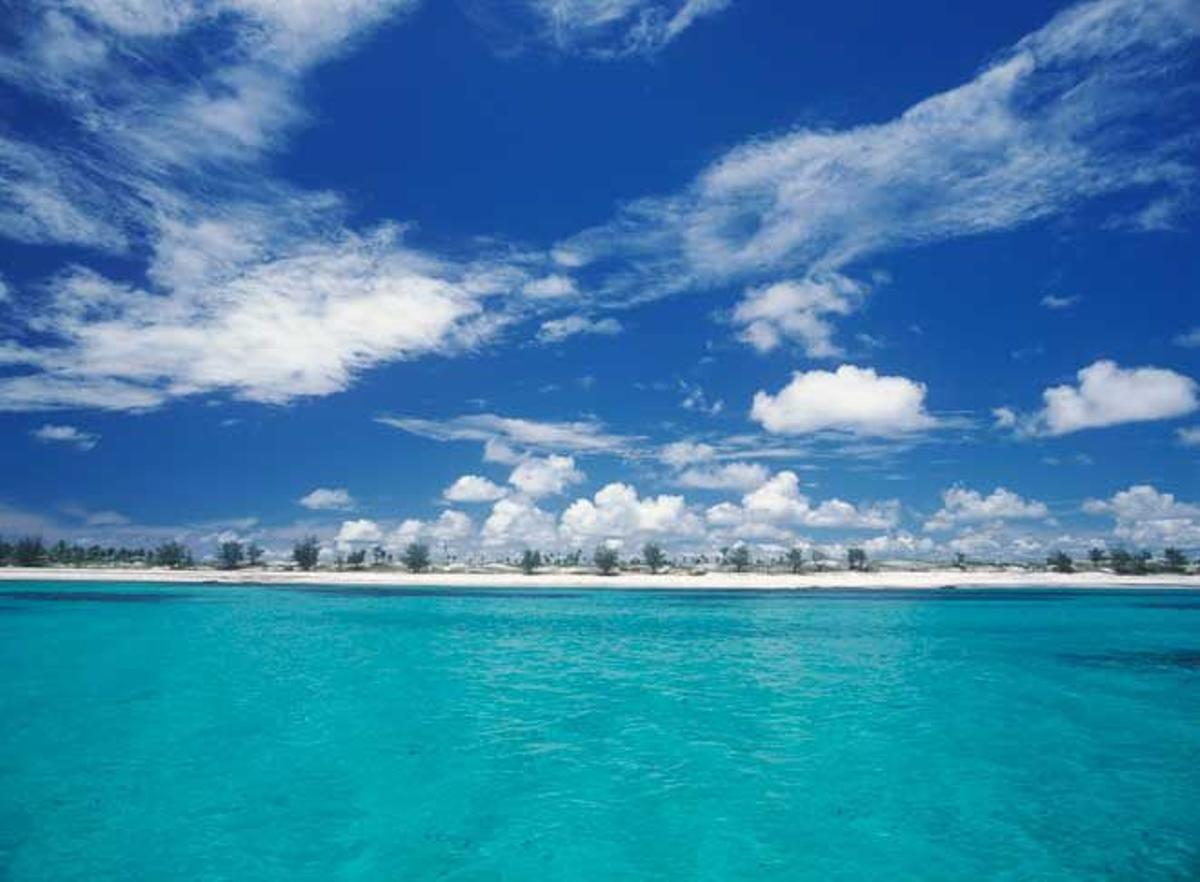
(225, 733)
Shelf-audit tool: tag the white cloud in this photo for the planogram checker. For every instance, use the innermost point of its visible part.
(52, 434)
(473, 488)
(359, 532)
(901, 544)
(684, 453)
(550, 287)
(850, 399)
(504, 435)
(557, 330)
(271, 330)
(1189, 339)
(616, 513)
(999, 542)
(328, 499)
(796, 311)
(517, 522)
(1189, 436)
(1146, 517)
(1108, 395)
(770, 509)
(1051, 124)
(695, 399)
(1058, 301)
(545, 476)
(731, 476)
(963, 506)
(603, 29)
(1005, 417)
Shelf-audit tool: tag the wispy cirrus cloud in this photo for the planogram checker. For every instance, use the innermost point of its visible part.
(516, 433)
(1055, 122)
(604, 29)
(251, 288)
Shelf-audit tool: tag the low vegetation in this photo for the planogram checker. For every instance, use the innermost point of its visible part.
(33, 551)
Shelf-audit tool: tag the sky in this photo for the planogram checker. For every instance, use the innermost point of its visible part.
(557, 273)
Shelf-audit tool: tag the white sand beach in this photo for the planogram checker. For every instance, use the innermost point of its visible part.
(932, 579)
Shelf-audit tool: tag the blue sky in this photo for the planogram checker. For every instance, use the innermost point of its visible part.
(561, 272)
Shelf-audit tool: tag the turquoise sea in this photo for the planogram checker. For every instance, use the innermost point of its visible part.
(251, 733)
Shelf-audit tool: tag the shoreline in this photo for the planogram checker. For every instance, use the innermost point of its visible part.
(899, 580)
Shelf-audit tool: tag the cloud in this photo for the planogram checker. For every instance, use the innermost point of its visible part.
(270, 330)
(684, 453)
(557, 330)
(1189, 436)
(796, 311)
(604, 29)
(251, 287)
(901, 544)
(1055, 301)
(617, 514)
(358, 532)
(850, 399)
(777, 505)
(328, 499)
(473, 488)
(732, 476)
(545, 476)
(77, 438)
(550, 287)
(1004, 417)
(1189, 339)
(695, 399)
(963, 506)
(1109, 395)
(1054, 123)
(449, 528)
(517, 522)
(1145, 517)
(506, 434)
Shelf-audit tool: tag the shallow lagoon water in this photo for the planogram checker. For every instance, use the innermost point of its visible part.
(238, 733)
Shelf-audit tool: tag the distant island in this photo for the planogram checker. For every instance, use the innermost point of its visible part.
(733, 567)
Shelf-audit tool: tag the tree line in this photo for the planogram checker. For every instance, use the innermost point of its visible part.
(32, 551)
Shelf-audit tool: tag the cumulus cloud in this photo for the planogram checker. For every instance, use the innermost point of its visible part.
(70, 435)
(617, 514)
(557, 330)
(850, 399)
(358, 532)
(771, 509)
(797, 311)
(1108, 395)
(1189, 436)
(473, 488)
(963, 506)
(545, 476)
(517, 522)
(1146, 517)
(328, 499)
